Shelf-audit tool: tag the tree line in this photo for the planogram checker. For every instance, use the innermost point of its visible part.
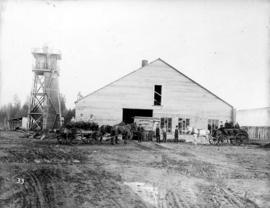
(16, 109)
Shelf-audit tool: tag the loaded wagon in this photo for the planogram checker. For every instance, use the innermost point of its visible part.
(232, 135)
(84, 132)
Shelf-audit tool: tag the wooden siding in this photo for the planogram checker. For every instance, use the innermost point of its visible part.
(258, 133)
(181, 97)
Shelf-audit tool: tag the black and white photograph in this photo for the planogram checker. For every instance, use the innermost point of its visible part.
(134, 104)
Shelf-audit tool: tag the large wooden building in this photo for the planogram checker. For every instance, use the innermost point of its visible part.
(155, 90)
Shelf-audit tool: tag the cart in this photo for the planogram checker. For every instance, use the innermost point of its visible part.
(234, 136)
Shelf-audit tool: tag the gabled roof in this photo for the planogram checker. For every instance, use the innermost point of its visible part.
(159, 59)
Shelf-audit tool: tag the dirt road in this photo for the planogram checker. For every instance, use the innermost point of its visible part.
(43, 174)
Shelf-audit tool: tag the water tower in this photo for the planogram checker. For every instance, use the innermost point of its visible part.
(45, 108)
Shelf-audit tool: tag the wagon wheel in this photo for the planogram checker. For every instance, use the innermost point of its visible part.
(79, 137)
(239, 138)
(221, 138)
(85, 140)
(63, 138)
(94, 137)
(213, 140)
(59, 139)
(69, 139)
(225, 139)
(233, 140)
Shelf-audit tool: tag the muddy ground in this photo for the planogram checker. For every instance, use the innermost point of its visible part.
(42, 174)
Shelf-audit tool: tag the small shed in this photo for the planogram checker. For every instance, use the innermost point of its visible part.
(16, 123)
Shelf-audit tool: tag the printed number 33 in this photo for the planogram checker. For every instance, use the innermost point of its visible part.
(20, 180)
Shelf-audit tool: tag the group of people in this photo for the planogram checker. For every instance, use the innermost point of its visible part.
(164, 134)
(226, 125)
(160, 134)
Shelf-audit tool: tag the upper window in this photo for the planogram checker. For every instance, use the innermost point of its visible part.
(157, 95)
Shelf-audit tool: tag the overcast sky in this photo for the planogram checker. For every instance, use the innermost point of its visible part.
(223, 45)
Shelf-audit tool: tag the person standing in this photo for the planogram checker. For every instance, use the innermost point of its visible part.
(142, 133)
(164, 134)
(237, 126)
(158, 134)
(125, 136)
(139, 133)
(176, 134)
(221, 124)
(227, 124)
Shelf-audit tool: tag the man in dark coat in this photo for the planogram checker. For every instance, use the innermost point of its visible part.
(176, 134)
(125, 136)
(237, 126)
(158, 134)
(226, 125)
(140, 133)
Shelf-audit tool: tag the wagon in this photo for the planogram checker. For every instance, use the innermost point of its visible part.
(234, 136)
(75, 135)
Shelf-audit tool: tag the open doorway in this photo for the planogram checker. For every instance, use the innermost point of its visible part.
(129, 114)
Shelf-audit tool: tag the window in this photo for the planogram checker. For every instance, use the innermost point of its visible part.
(157, 95)
(183, 124)
(167, 124)
(212, 124)
(41, 62)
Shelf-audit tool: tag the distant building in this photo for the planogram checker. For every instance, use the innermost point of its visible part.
(256, 121)
(155, 90)
(253, 117)
(18, 123)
